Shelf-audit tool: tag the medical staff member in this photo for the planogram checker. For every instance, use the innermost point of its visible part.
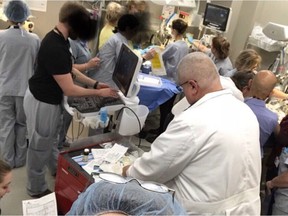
(171, 56)
(52, 80)
(280, 185)
(208, 154)
(5, 178)
(113, 12)
(83, 62)
(247, 60)
(116, 195)
(125, 30)
(261, 88)
(219, 53)
(250, 60)
(18, 51)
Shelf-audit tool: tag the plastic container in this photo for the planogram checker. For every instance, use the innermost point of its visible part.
(146, 67)
(103, 114)
(85, 155)
(129, 124)
(157, 63)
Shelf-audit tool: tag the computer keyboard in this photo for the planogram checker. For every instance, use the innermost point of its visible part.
(91, 104)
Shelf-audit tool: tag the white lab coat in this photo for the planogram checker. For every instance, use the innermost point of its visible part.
(210, 156)
(226, 83)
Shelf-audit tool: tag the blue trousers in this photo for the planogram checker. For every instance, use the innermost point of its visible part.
(13, 131)
(43, 123)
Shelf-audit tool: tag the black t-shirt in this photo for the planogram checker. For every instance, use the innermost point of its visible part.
(54, 58)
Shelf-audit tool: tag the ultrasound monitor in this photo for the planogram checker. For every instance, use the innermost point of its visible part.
(125, 74)
(216, 17)
(126, 71)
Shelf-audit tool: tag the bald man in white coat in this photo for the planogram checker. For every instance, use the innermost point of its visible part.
(209, 153)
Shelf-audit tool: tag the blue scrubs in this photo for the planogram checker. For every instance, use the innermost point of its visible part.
(108, 56)
(18, 51)
(172, 55)
(223, 65)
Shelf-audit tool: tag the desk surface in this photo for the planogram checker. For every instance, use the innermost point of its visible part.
(71, 179)
(101, 138)
(152, 97)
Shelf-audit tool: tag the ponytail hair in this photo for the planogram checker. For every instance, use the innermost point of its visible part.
(222, 47)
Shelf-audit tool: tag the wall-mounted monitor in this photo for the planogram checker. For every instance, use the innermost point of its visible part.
(216, 17)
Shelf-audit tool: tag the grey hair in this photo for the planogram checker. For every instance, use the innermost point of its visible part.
(129, 198)
(198, 66)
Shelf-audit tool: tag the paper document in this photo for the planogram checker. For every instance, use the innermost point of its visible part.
(99, 158)
(118, 166)
(107, 159)
(99, 155)
(115, 153)
(147, 80)
(43, 206)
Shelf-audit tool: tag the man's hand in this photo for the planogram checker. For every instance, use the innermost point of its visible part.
(269, 186)
(102, 85)
(124, 170)
(108, 92)
(149, 55)
(93, 63)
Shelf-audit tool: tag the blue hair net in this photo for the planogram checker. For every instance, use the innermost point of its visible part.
(16, 11)
(129, 198)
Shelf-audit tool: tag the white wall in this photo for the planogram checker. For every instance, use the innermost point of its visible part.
(46, 21)
(245, 14)
(258, 12)
(272, 11)
(243, 18)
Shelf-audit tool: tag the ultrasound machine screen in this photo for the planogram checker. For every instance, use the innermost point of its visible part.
(126, 70)
(216, 17)
(125, 74)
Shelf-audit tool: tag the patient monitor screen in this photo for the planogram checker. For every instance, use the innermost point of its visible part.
(126, 70)
(216, 17)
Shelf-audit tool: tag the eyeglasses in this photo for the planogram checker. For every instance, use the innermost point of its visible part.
(183, 83)
(148, 185)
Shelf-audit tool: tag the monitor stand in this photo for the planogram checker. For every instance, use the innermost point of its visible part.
(133, 99)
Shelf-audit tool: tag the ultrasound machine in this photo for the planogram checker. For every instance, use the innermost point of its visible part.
(125, 77)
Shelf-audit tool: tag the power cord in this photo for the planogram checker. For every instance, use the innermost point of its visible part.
(139, 124)
(80, 131)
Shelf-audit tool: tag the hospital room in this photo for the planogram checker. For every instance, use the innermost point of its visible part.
(155, 107)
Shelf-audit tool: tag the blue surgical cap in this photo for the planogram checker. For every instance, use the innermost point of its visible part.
(16, 11)
(129, 198)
